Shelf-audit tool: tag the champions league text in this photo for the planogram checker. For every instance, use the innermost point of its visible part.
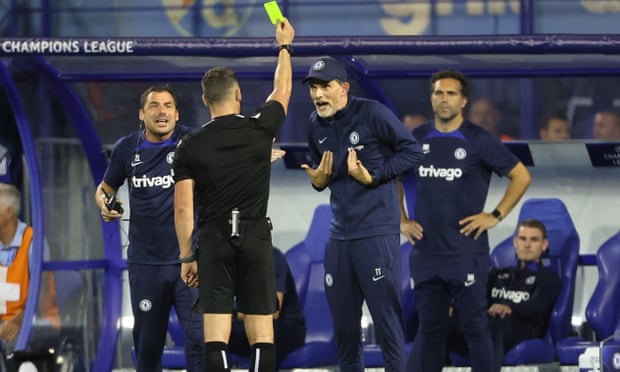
(67, 46)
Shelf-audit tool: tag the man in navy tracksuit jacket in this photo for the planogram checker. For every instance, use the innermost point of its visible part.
(360, 148)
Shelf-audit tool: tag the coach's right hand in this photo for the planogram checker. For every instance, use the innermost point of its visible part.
(320, 176)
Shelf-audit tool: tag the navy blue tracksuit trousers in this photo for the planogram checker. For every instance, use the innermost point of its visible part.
(441, 282)
(154, 290)
(366, 269)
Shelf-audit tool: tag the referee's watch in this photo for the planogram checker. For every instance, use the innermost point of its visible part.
(286, 47)
(497, 214)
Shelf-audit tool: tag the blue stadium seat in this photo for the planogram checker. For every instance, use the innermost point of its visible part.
(372, 352)
(561, 256)
(603, 308)
(306, 262)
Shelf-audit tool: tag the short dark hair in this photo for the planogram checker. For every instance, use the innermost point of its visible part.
(544, 121)
(535, 224)
(158, 89)
(456, 75)
(217, 83)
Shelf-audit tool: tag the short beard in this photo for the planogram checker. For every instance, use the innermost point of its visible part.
(160, 135)
(447, 119)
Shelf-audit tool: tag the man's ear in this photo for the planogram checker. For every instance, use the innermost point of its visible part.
(12, 211)
(238, 96)
(204, 100)
(141, 115)
(545, 244)
(346, 85)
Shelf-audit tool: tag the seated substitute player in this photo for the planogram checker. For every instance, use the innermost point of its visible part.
(521, 298)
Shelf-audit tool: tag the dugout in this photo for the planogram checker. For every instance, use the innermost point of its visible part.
(70, 99)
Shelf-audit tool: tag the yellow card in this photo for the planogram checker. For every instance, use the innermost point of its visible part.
(273, 11)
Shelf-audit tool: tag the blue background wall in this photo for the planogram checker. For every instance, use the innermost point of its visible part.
(312, 17)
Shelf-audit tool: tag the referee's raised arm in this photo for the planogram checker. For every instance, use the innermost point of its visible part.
(283, 75)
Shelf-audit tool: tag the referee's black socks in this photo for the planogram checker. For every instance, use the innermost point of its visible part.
(216, 358)
(264, 357)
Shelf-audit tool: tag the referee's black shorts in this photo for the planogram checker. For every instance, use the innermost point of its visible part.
(237, 269)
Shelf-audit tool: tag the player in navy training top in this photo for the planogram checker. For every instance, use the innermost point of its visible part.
(145, 159)
(361, 148)
(521, 298)
(450, 259)
(223, 169)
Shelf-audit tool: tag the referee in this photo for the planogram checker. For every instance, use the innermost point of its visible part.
(226, 165)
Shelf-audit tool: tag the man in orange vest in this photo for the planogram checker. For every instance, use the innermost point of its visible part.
(15, 244)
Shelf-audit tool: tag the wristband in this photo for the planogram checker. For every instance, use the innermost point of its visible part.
(187, 259)
(497, 214)
(286, 47)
